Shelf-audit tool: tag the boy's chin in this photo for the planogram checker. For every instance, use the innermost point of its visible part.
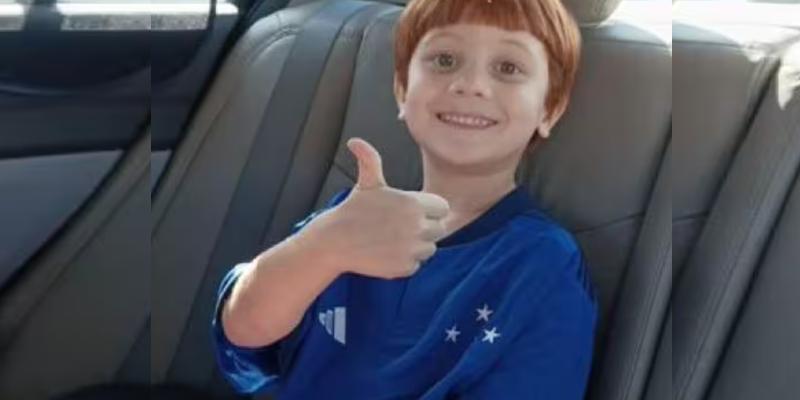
(464, 161)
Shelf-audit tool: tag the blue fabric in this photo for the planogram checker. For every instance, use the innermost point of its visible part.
(503, 310)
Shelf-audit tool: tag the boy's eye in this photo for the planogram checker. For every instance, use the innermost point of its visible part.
(508, 68)
(444, 60)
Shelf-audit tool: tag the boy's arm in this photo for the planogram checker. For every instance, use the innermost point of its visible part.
(252, 369)
(273, 292)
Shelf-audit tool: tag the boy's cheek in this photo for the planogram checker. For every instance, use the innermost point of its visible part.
(416, 110)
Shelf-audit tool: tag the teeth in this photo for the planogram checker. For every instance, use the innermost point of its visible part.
(466, 120)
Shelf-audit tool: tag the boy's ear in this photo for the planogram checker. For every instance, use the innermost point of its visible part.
(548, 123)
(399, 94)
(544, 128)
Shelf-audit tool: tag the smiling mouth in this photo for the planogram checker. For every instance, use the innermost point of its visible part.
(465, 121)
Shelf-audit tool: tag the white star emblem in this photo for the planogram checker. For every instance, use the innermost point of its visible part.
(483, 313)
(491, 335)
(451, 334)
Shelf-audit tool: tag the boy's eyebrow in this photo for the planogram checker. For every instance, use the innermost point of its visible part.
(443, 33)
(510, 41)
(519, 44)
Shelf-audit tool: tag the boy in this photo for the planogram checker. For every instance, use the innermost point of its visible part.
(464, 289)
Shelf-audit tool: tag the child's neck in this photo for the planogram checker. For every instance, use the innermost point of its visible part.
(468, 202)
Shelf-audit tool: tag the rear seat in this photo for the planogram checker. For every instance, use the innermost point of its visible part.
(601, 195)
(606, 197)
(714, 110)
(736, 327)
(761, 358)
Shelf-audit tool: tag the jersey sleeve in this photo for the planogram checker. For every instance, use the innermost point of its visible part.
(258, 369)
(551, 355)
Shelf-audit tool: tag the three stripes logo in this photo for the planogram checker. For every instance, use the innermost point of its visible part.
(335, 322)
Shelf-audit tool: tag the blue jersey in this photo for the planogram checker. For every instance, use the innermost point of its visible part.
(503, 310)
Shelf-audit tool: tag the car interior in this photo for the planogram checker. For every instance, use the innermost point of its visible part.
(130, 189)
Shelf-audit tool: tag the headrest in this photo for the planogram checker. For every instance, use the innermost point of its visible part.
(591, 12)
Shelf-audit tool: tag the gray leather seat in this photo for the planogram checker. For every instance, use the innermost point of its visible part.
(601, 195)
(735, 328)
(713, 107)
(715, 110)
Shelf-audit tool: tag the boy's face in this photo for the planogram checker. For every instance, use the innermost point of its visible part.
(475, 94)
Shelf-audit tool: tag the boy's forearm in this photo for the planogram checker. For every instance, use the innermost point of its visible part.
(269, 299)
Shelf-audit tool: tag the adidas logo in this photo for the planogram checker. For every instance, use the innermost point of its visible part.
(335, 322)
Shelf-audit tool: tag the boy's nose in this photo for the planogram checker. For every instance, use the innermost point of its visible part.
(470, 84)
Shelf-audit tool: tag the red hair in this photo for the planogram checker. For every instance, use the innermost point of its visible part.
(546, 20)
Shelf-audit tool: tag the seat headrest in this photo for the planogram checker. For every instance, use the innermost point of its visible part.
(591, 12)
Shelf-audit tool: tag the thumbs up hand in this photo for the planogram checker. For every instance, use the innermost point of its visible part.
(370, 165)
(380, 231)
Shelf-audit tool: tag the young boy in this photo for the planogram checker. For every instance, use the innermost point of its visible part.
(464, 289)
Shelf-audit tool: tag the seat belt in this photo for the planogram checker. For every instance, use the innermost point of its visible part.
(241, 234)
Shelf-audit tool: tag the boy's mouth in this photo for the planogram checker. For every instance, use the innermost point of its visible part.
(465, 121)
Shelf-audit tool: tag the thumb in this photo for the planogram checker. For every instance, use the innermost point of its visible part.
(370, 168)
